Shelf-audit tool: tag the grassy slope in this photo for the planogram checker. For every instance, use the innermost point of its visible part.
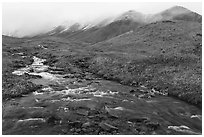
(164, 55)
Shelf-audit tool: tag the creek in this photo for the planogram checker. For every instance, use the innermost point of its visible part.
(70, 104)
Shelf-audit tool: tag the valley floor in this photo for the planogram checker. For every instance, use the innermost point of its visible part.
(78, 91)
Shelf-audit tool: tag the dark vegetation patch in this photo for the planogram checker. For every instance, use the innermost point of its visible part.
(12, 85)
(15, 56)
(175, 75)
(17, 87)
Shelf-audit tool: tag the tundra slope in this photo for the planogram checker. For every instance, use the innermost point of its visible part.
(69, 100)
(166, 55)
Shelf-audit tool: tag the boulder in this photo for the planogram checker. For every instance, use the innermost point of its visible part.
(87, 124)
(107, 127)
(152, 125)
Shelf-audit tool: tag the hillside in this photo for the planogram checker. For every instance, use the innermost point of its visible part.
(176, 13)
(164, 54)
(155, 37)
(94, 35)
(133, 74)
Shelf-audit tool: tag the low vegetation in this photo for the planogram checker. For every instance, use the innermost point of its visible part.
(165, 56)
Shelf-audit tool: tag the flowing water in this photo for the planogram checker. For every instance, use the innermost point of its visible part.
(69, 104)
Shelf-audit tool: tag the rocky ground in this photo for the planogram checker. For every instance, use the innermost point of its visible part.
(57, 95)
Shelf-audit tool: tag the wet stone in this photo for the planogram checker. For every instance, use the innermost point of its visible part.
(87, 124)
(107, 127)
(75, 124)
(72, 130)
(56, 69)
(132, 91)
(29, 122)
(53, 120)
(139, 119)
(144, 96)
(84, 130)
(69, 76)
(56, 72)
(152, 125)
(79, 80)
(78, 130)
(112, 112)
(82, 112)
(57, 87)
(196, 117)
(32, 76)
(88, 78)
(183, 129)
(19, 65)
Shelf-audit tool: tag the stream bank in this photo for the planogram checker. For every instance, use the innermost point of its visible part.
(67, 103)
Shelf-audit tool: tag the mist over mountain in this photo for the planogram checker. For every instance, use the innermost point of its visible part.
(46, 22)
(132, 15)
(177, 13)
(100, 30)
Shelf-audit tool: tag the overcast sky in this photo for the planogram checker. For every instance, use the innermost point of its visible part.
(31, 18)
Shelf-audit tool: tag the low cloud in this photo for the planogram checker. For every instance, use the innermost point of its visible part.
(23, 19)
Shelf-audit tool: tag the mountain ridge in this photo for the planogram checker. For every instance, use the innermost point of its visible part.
(173, 13)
